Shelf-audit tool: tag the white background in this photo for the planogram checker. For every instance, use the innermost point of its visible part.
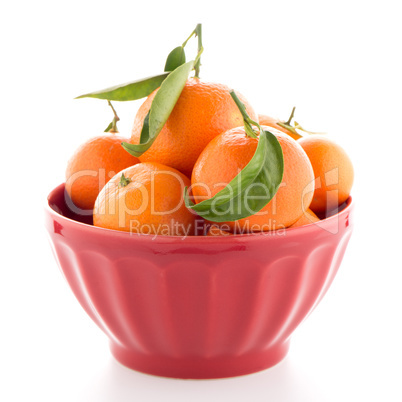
(338, 62)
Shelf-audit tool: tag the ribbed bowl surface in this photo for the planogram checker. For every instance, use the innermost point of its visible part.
(199, 307)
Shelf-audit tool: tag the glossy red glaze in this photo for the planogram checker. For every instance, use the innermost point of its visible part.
(199, 307)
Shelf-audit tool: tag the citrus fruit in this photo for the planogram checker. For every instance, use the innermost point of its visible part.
(308, 217)
(265, 120)
(92, 165)
(202, 111)
(146, 198)
(230, 152)
(333, 171)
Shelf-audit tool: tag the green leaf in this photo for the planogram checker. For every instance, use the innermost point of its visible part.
(108, 128)
(144, 137)
(176, 58)
(129, 91)
(161, 107)
(251, 190)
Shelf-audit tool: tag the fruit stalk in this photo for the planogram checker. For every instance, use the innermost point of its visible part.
(113, 125)
(248, 122)
(291, 116)
(198, 33)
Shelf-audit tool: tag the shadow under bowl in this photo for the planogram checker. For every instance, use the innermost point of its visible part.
(197, 307)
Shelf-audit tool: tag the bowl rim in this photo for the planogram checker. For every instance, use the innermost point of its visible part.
(290, 232)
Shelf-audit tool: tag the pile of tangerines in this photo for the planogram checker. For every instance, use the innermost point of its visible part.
(200, 157)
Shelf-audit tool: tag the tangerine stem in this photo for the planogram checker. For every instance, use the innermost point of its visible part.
(291, 116)
(124, 181)
(248, 122)
(198, 58)
(198, 33)
(185, 42)
(115, 119)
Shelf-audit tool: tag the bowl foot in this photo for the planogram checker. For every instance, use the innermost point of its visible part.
(197, 367)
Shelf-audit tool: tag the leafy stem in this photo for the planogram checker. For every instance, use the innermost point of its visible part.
(191, 35)
(288, 126)
(198, 33)
(197, 61)
(291, 116)
(299, 127)
(112, 127)
(248, 122)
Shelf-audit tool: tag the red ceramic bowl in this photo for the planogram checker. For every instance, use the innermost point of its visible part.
(199, 307)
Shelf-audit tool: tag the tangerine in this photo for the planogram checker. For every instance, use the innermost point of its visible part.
(227, 154)
(92, 165)
(146, 198)
(202, 111)
(333, 172)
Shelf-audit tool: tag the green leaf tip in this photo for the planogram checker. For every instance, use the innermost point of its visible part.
(129, 91)
(175, 59)
(135, 150)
